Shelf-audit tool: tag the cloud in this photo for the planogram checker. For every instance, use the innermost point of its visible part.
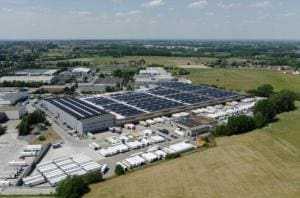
(128, 14)
(288, 14)
(198, 4)
(6, 9)
(153, 3)
(209, 13)
(84, 13)
(261, 4)
(228, 5)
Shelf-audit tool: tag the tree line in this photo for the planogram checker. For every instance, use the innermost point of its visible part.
(264, 112)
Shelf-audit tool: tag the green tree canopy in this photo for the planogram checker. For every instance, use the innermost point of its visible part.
(119, 170)
(267, 108)
(284, 101)
(72, 187)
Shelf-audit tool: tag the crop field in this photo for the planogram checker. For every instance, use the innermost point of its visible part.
(245, 79)
(262, 163)
(149, 59)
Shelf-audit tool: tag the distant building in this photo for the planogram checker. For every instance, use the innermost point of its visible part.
(46, 76)
(82, 74)
(10, 96)
(195, 126)
(152, 75)
(55, 88)
(43, 79)
(14, 112)
(99, 85)
(36, 72)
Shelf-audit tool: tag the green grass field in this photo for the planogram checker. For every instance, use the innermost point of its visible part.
(149, 59)
(245, 79)
(262, 163)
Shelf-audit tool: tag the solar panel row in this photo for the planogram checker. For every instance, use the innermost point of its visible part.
(166, 96)
(75, 107)
(113, 106)
(146, 101)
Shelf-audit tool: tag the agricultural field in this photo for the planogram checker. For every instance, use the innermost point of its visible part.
(149, 59)
(262, 163)
(245, 79)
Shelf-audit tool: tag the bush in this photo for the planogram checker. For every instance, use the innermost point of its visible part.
(240, 124)
(42, 138)
(235, 125)
(93, 177)
(2, 130)
(119, 170)
(259, 120)
(73, 186)
(267, 108)
(284, 101)
(221, 130)
(172, 156)
(265, 90)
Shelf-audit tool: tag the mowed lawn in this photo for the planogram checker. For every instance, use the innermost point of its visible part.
(245, 79)
(262, 163)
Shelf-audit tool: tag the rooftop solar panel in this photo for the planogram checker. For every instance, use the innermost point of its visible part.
(75, 107)
(74, 114)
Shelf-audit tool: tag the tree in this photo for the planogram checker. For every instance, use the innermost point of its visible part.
(23, 127)
(259, 120)
(265, 90)
(92, 177)
(240, 124)
(222, 130)
(267, 108)
(119, 170)
(2, 130)
(73, 186)
(284, 101)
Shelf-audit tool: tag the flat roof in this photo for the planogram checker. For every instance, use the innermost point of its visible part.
(26, 78)
(36, 71)
(164, 96)
(81, 69)
(10, 108)
(188, 122)
(76, 107)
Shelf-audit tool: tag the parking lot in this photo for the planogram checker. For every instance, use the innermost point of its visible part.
(72, 145)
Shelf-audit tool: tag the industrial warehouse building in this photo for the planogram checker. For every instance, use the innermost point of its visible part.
(46, 76)
(152, 75)
(13, 112)
(164, 98)
(10, 96)
(79, 115)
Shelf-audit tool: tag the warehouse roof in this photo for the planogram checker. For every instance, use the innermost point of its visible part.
(27, 78)
(75, 107)
(81, 70)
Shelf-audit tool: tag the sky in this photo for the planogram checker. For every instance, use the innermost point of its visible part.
(149, 19)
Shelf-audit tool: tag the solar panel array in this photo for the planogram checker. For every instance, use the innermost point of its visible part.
(116, 107)
(75, 107)
(146, 101)
(167, 95)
